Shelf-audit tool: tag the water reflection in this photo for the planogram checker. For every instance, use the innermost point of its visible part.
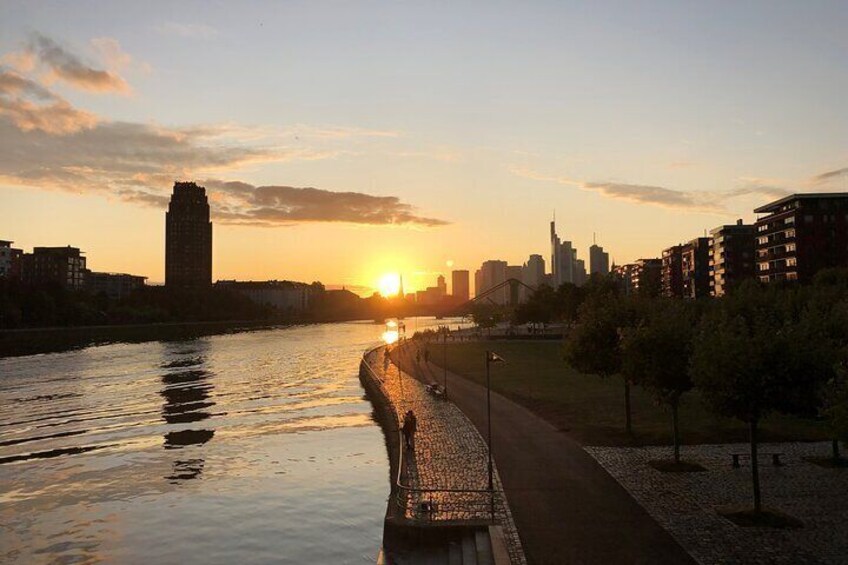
(390, 336)
(187, 400)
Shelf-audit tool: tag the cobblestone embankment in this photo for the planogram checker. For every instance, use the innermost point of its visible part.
(685, 504)
(448, 455)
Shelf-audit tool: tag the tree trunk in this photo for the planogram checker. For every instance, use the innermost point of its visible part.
(675, 432)
(835, 450)
(627, 422)
(755, 470)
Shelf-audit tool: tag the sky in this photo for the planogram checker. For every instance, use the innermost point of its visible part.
(340, 141)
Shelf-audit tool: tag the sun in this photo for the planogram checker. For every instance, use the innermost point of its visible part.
(389, 284)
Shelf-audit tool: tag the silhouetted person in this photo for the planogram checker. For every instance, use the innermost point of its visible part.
(410, 423)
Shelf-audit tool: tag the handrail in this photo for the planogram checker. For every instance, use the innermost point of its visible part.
(399, 480)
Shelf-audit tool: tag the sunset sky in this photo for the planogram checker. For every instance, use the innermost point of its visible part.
(428, 132)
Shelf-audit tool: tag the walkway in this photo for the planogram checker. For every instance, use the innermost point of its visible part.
(566, 507)
(448, 453)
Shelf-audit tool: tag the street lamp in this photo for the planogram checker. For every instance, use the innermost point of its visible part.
(445, 358)
(491, 357)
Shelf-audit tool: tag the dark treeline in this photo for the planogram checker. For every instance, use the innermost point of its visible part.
(758, 350)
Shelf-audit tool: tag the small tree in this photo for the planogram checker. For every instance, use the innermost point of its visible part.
(656, 355)
(593, 345)
(835, 409)
(752, 356)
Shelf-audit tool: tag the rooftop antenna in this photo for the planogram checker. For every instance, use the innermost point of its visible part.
(593, 239)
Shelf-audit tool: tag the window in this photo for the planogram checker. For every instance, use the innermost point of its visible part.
(789, 220)
(762, 227)
(791, 262)
(792, 276)
(762, 240)
(790, 233)
(790, 247)
(763, 266)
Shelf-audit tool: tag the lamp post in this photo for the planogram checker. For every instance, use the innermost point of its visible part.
(491, 357)
(445, 359)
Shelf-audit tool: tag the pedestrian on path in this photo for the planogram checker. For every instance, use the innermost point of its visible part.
(410, 423)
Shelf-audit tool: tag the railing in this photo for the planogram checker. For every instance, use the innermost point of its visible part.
(434, 504)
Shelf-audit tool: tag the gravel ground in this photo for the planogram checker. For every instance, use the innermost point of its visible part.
(686, 503)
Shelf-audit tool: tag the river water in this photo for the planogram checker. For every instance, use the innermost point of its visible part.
(245, 448)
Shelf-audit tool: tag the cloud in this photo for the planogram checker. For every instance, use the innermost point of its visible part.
(242, 203)
(829, 176)
(696, 201)
(30, 106)
(64, 65)
(194, 31)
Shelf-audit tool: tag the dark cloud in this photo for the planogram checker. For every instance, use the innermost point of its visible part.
(242, 203)
(66, 66)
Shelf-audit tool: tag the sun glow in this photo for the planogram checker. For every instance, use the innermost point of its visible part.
(389, 284)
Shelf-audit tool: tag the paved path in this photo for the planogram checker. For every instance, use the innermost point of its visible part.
(567, 508)
(448, 453)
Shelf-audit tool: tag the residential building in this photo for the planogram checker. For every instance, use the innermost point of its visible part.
(283, 295)
(460, 286)
(732, 256)
(10, 260)
(114, 285)
(598, 260)
(695, 267)
(188, 238)
(62, 265)
(646, 277)
(672, 272)
(801, 234)
(623, 275)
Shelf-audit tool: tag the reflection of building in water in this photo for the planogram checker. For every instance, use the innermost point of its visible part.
(186, 395)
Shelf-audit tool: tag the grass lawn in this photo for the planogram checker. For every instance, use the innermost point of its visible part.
(591, 409)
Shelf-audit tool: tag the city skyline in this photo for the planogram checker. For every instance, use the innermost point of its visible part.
(429, 160)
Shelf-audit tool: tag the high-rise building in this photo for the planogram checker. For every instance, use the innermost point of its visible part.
(695, 267)
(800, 235)
(533, 272)
(598, 260)
(441, 286)
(623, 275)
(188, 238)
(114, 285)
(565, 267)
(672, 272)
(731, 257)
(62, 265)
(459, 286)
(493, 273)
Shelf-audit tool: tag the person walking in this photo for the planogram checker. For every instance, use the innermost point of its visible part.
(410, 423)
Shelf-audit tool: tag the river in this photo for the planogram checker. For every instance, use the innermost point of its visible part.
(253, 447)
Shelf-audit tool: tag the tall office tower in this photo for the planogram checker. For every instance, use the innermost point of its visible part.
(478, 282)
(534, 271)
(441, 286)
(563, 258)
(459, 286)
(598, 260)
(731, 257)
(188, 238)
(800, 235)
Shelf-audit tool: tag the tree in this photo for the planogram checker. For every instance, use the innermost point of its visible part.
(593, 345)
(656, 355)
(835, 409)
(752, 356)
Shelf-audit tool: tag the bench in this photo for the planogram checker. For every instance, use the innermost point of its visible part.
(775, 458)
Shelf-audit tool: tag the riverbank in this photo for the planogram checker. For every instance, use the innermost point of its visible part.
(31, 341)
